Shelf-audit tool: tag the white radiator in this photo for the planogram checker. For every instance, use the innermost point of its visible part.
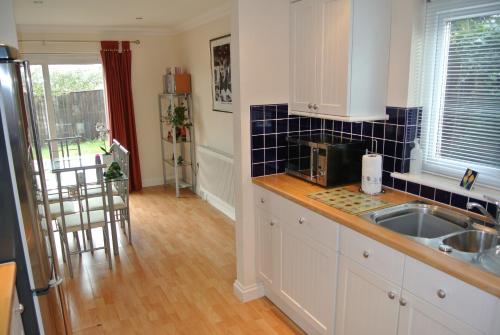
(216, 179)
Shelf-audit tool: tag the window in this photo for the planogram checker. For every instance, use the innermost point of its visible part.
(461, 89)
(69, 100)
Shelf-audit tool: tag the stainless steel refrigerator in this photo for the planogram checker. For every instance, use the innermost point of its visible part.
(25, 236)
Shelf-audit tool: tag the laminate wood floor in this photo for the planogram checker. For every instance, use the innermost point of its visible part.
(176, 278)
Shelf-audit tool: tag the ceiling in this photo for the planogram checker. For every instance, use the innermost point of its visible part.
(116, 14)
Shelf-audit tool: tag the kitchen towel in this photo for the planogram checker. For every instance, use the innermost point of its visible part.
(371, 174)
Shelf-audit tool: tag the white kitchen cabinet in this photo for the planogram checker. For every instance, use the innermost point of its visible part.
(268, 246)
(366, 302)
(417, 317)
(297, 260)
(339, 58)
(308, 277)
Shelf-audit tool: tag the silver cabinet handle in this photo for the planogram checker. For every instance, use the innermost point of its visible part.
(391, 295)
(262, 200)
(20, 308)
(315, 107)
(441, 294)
(366, 254)
(309, 105)
(402, 301)
(271, 223)
(301, 220)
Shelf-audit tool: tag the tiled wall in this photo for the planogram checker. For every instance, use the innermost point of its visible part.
(271, 124)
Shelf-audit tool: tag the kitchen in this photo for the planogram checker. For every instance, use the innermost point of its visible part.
(327, 269)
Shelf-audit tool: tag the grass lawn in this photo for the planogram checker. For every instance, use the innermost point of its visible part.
(87, 148)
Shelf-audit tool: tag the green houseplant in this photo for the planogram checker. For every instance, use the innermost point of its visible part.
(179, 121)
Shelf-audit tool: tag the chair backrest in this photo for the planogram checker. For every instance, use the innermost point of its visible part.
(85, 180)
(64, 147)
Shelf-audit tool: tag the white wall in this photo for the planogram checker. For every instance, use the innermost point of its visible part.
(149, 61)
(260, 76)
(8, 33)
(213, 129)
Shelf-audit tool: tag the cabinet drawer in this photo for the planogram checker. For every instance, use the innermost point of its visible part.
(375, 256)
(308, 222)
(465, 302)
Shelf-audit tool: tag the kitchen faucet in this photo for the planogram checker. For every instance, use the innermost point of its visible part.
(494, 220)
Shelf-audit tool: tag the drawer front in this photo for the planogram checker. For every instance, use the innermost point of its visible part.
(465, 302)
(308, 222)
(375, 256)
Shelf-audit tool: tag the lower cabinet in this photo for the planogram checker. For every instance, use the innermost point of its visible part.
(417, 317)
(380, 291)
(308, 278)
(366, 302)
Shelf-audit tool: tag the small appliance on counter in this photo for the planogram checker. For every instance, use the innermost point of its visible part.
(325, 160)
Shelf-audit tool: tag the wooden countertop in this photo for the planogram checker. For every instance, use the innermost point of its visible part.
(296, 190)
(7, 287)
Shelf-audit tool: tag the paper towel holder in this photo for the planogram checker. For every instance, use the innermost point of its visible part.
(381, 192)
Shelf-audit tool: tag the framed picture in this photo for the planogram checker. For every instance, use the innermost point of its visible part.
(468, 179)
(220, 59)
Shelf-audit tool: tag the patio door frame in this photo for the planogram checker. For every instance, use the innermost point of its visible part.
(59, 59)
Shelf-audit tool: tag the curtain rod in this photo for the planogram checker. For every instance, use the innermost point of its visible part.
(72, 41)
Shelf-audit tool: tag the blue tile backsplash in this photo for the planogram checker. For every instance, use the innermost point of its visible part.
(392, 138)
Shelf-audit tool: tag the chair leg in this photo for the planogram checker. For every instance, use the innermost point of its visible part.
(77, 236)
(88, 232)
(107, 244)
(63, 251)
(68, 256)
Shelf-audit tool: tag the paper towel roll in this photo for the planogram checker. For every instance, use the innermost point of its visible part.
(371, 174)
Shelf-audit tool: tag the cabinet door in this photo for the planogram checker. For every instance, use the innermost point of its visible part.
(366, 303)
(308, 278)
(302, 55)
(267, 247)
(332, 50)
(419, 317)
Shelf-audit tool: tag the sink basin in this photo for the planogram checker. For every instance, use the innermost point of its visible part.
(419, 220)
(472, 241)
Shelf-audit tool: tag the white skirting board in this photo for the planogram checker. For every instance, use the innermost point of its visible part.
(218, 203)
(248, 293)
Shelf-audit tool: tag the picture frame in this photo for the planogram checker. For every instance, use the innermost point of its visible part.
(469, 178)
(220, 66)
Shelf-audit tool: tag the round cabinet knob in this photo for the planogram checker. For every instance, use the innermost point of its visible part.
(271, 223)
(301, 220)
(315, 107)
(309, 105)
(402, 302)
(262, 200)
(366, 254)
(391, 295)
(441, 294)
(20, 308)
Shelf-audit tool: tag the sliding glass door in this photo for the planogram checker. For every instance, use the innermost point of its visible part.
(70, 102)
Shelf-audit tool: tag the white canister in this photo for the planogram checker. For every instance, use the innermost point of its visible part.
(371, 174)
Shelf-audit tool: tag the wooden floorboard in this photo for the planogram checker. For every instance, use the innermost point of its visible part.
(176, 278)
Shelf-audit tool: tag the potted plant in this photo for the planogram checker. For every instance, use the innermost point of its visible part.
(180, 122)
(107, 156)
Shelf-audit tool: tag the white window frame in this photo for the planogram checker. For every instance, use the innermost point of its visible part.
(436, 49)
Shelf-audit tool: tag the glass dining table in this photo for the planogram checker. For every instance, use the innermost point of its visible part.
(62, 167)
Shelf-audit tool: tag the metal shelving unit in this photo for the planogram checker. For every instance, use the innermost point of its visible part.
(178, 152)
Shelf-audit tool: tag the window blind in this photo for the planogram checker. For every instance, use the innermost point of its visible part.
(461, 89)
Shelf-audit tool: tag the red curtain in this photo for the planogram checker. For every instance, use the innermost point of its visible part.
(117, 66)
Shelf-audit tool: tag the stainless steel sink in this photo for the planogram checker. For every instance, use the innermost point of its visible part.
(456, 234)
(472, 241)
(419, 220)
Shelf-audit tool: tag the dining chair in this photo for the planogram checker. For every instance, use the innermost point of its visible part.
(120, 191)
(64, 147)
(86, 219)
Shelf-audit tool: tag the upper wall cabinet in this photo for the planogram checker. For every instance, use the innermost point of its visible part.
(339, 58)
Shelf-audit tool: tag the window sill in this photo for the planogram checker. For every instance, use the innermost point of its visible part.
(447, 184)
